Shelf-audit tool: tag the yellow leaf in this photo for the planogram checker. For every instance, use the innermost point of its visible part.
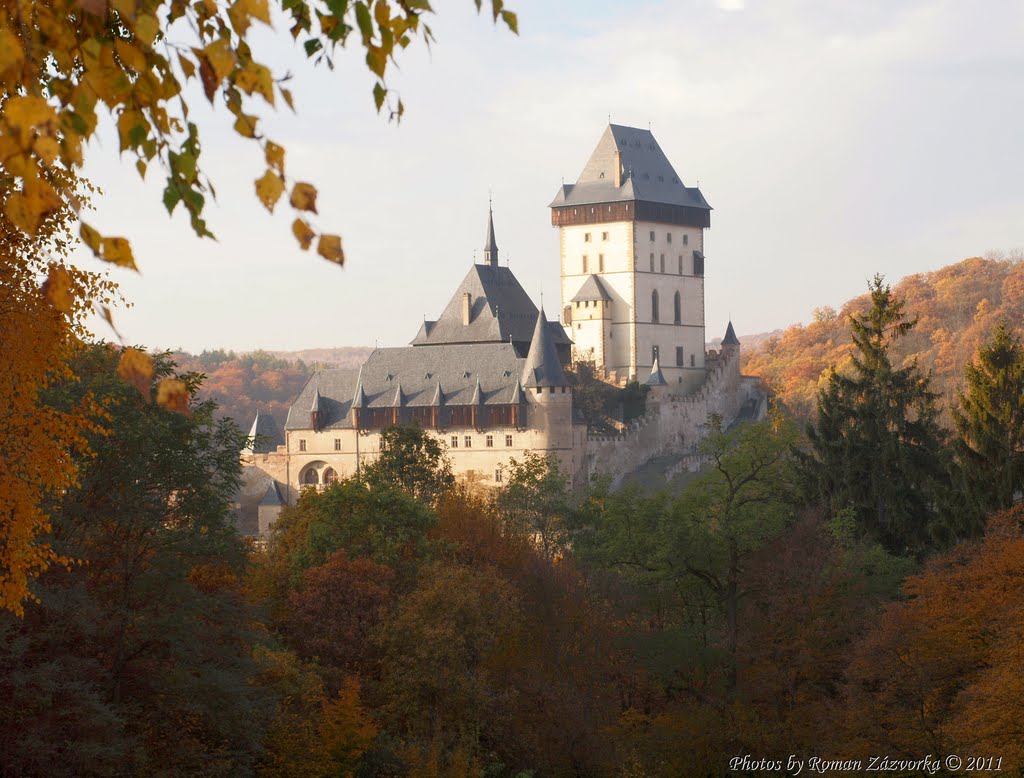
(24, 114)
(146, 29)
(256, 78)
(221, 58)
(269, 189)
(11, 54)
(304, 197)
(118, 251)
(275, 156)
(130, 55)
(303, 234)
(245, 125)
(47, 149)
(172, 394)
(57, 289)
(132, 129)
(287, 95)
(91, 238)
(136, 368)
(126, 8)
(188, 67)
(329, 247)
(242, 11)
(21, 214)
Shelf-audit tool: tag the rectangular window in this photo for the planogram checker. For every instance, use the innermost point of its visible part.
(586, 237)
(584, 263)
(680, 264)
(686, 240)
(604, 236)
(662, 263)
(679, 356)
(669, 237)
(508, 441)
(652, 262)
(600, 263)
(698, 263)
(468, 441)
(652, 234)
(455, 441)
(693, 360)
(497, 476)
(302, 445)
(489, 442)
(337, 444)
(654, 353)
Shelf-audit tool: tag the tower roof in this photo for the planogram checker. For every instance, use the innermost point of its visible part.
(478, 396)
(543, 368)
(730, 338)
(272, 496)
(645, 173)
(264, 435)
(490, 244)
(592, 289)
(399, 399)
(315, 405)
(656, 378)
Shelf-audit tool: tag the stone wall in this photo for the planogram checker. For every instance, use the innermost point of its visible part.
(673, 424)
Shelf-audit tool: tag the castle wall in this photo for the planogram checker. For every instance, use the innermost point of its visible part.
(673, 424)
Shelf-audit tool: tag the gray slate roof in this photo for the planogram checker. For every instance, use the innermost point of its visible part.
(730, 338)
(543, 367)
(336, 388)
(476, 373)
(656, 378)
(646, 174)
(272, 496)
(500, 311)
(592, 289)
(264, 435)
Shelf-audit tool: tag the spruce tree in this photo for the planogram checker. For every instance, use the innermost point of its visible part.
(876, 446)
(990, 423)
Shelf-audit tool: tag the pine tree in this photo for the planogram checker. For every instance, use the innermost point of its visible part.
(877, 446)
(990, 423)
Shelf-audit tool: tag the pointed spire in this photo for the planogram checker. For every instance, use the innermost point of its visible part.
(656, 378)
(315, 407)
(517, 393)
(438, 400)
(478, 395)
(359, 399)
(399, 399)
(264, 435)
(543, 368)
(730, 338)
(490, 244)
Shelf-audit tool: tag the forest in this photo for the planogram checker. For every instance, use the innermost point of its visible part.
(839, 591)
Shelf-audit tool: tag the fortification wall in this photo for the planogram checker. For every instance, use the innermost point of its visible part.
(672, 425)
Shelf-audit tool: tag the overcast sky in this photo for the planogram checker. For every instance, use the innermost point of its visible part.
(833, 139)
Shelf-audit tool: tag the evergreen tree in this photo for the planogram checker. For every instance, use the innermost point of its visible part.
(877, 446)
(990, 423)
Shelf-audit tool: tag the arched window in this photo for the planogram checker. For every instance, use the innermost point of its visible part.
(310, 477)
(678, 309)
(654, 306)
(330, 475)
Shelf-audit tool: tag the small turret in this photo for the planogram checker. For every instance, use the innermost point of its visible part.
(315, 412)
(264, 435)
(656, 378)
(730, 338)
(490, 244)
(543, 368)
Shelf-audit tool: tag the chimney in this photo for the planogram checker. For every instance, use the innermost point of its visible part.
(467, 306)
(618, 168)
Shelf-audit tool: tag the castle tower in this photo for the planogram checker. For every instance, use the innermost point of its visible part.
(630, 228)
(547, 391)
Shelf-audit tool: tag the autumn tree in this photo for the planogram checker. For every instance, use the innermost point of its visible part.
(990, 423)
(535, 500)
(413, 461)
(876, 444)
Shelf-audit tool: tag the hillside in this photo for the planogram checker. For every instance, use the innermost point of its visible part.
(241, 383)
(957, 307)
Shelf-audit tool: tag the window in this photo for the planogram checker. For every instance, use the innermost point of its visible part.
(654, 306)
(302, 445)
(489, 442)
(337, 444)
(455, 441)
(662, 263)
(604, 236)
(508, 441)
(693, 360)
(600, 262)
(686, 240)
(654, 354)
(586, 237)
(678, 305)
(698, 263)
(652, 234)
(468, 441)
(497, 476)
(680, 264)
(652, 261)
(330, 476)
(584, 263)
(679, 356)
(310, 478)
(669, 237)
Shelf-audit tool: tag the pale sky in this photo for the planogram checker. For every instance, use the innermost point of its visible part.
(833, 139)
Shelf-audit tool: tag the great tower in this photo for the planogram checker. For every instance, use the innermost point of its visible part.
(632, 262)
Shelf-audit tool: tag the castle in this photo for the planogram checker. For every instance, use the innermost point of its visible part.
(488, 376)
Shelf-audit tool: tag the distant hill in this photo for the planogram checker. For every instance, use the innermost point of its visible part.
(957, 307)
(267, 380)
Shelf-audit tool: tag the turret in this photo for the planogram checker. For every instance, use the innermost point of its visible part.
(315, 412)
(543, 368)
(264, 435)
(490, 244)
(730, 341)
